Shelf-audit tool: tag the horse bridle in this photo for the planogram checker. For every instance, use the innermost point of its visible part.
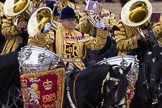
(109, 78)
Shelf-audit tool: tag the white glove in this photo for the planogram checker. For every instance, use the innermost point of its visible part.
(47, 27)
(100, 24)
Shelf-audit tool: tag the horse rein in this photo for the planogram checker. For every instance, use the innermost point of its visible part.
(108, 78)
(68, 90)
(74, 88)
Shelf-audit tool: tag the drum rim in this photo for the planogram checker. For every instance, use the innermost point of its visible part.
(38, 49)
(51, 59)
(116, 58)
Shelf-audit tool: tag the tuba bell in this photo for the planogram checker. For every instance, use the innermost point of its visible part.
(136, 12)
(17, 7)
(38, 20)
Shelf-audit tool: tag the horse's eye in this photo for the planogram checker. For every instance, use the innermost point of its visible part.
(149, 53)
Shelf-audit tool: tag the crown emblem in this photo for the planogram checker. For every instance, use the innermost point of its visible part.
(34, 79)
(23, 82)
(69, 38)
(48, 85)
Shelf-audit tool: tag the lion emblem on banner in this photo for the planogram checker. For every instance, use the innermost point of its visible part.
(42, 76)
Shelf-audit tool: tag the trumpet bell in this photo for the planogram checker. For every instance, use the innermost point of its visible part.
(136, 12)
(15, 7)
(38, 20)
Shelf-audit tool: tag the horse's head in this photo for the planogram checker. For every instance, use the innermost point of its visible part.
(154, 72)
(102, 83)
(115, 86)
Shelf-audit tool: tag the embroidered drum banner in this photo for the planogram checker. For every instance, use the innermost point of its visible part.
(42, 77)
(43, 90)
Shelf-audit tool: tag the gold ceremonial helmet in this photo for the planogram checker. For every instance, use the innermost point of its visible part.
(136, 12)
(15, 7)
(38, 20)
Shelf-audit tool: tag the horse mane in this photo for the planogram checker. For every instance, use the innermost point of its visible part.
(94, 69)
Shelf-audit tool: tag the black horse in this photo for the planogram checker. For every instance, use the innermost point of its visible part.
(92, 88)
(148, 88)
(9, 81)
(89, 88)
(155, 76)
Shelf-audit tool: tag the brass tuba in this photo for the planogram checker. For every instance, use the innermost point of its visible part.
(136, 13)
(17, 7)
(38, 20)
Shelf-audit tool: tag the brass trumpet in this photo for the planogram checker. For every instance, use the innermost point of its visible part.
(17, 8)
(38, 20)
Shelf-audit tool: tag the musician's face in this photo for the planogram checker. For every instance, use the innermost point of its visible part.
(69, 23)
